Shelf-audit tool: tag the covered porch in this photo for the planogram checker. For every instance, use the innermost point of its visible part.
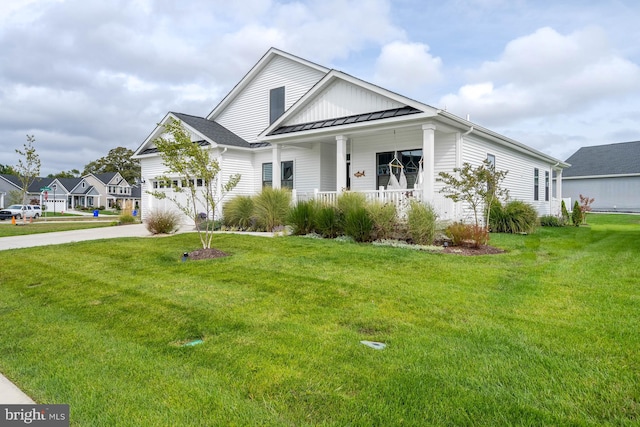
(389, 163)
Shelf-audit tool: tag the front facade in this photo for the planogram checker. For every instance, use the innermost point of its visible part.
(291, 123)
(111, 190)
(610, 174)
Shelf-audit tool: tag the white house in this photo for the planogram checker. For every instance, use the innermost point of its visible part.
(292, 123)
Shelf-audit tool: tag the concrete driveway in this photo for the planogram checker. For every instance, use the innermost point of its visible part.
(58, 237)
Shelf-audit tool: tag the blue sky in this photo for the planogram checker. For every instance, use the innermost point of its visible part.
(87, 76)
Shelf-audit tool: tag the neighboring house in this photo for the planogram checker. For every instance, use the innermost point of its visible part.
(112, 190)
(608, 173)
(295, 124)
(10, 183)
(72, 194)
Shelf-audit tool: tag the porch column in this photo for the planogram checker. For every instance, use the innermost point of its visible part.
(341, 163)
(276, 173)
(428, 161)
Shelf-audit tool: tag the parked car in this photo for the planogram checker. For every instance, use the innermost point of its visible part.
(21, 211)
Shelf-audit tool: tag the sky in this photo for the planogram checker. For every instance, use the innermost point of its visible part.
(86, 76)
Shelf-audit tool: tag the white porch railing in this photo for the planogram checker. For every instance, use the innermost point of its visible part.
(399, 198)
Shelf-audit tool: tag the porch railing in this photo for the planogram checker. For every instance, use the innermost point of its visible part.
(401, 199)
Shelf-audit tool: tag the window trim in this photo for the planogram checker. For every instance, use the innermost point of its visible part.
(546, 186)
(536, 184)
(284, 167)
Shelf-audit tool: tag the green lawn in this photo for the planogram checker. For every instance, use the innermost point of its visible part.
(545, 334)
(42, 226)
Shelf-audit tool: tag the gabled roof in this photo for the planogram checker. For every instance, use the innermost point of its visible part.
(34, 187)
(611, 159)
(212, 130)
(408, 105)
(11, 179)
(69, 183)
(266, 58)
(106, 177)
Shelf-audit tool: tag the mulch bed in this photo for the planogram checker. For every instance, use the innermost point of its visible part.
(209, 253)
(469, 251)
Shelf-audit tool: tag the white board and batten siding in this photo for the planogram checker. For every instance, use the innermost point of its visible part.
(342, 99)
(520, 176)
(248, 114)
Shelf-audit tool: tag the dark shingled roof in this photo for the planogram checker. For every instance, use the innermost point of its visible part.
(612, 159)
(356, 118)
(212, 130)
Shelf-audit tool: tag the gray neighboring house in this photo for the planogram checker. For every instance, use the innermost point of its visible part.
(608, 173)
(9, 183)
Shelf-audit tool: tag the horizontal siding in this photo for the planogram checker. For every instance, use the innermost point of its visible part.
(342, 99)
(248, 114)
(328, 180)
(519, 179)
(610, 194)
(239, 162)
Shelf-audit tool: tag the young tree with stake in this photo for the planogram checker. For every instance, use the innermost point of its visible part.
(197, 173)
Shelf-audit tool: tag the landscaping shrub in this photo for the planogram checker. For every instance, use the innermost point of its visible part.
(479, 236)
(384, 219)
(458, 232)
(348, 201)
(550, 221)
(467, 235)
(126, 218)
(358, 224)
(163, 222)
(271, 207)
(565, 213)
(238, 212)
(301, 217)
(421, 223)
(514, 217)
(327, 222)
(576, 215)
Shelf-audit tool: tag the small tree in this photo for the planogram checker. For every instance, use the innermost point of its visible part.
(576, 215)
(565, 213)
(480, 187)
(585, 206)
(28, 167)
(198, 177)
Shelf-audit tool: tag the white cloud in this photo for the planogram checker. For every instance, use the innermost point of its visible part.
(407, 66)
(543, 74)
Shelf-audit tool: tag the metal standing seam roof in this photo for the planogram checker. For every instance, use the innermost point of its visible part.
(201, 143)
(356, 118)
(611, 159)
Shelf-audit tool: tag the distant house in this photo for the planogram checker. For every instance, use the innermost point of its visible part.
(11, 183)
(608, 173)
(64, 194)
(113, 190)
(291, 123)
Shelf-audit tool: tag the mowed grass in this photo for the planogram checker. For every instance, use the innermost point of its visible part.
(42, 226)
(545, 334)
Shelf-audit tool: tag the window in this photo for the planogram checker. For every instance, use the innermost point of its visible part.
(491, 159)
(267, 174)
(546, 186)
(536, 184)
(286, 174)
(410, 159)
(276, 103)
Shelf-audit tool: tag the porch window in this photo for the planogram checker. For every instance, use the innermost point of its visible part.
(410, 159)
(286, 174)
(276, 103)
(546, 186)
(536, 183)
